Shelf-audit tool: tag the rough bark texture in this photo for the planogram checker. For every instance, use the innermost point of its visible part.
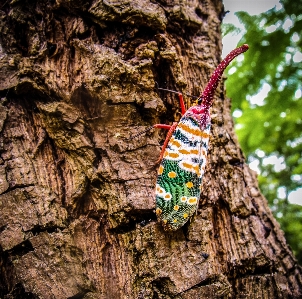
(77, 197)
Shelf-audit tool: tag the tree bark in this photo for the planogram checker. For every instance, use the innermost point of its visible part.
(77, 80)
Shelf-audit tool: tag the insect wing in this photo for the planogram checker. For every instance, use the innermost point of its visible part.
(180, 174)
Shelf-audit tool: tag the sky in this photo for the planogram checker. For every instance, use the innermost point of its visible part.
(230, 42)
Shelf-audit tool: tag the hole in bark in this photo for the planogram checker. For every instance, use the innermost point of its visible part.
(205, 255)
(51, 48)
(98, 159)
(201, 14)
(72, 52)
(21, 249)
(134, 38)
(21, 34)
(83, 35)
(208, 281)
(267, 231)
(30, 94)
(39, 229)
(142, 218)
(236, 162)
(161, 286)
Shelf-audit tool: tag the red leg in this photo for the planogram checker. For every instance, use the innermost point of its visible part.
(170, 128)
(160, 126)
(169, 134)
(182, 103)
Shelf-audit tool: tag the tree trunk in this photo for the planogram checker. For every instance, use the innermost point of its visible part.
(77, 196)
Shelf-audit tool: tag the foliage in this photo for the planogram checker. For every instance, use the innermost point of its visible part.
(270, 132)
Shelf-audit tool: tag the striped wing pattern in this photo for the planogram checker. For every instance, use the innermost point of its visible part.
(180, 173)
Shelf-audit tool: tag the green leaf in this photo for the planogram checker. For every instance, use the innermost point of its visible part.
(275, 126)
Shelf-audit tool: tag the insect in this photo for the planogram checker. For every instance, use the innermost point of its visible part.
(184, 153)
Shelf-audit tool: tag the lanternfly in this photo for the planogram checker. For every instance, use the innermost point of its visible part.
(184, 154)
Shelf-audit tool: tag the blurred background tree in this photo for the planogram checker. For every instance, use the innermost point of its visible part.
(265, 89)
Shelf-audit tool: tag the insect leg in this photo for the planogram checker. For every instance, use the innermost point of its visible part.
(169, 134)
(161, 126)
(182, 104)
(181, 100)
